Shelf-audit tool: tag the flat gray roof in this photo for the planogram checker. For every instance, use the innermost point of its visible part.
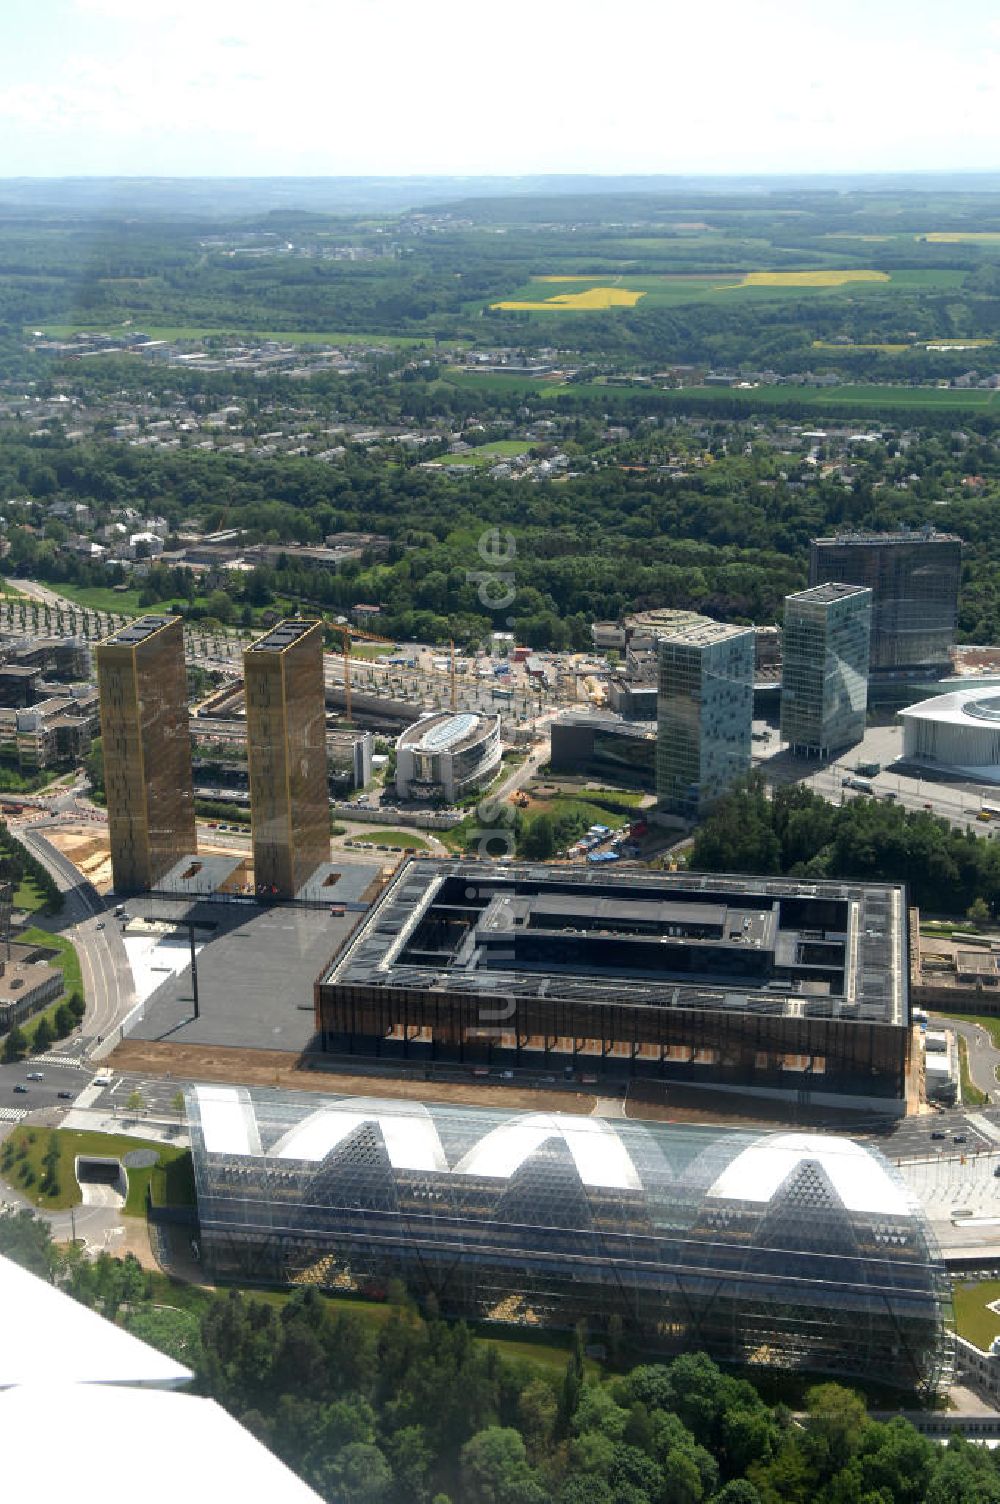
(282, 636)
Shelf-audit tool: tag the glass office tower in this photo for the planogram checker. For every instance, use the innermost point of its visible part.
(142, 689)
(824, 684)
(914, 579)
(704, 714)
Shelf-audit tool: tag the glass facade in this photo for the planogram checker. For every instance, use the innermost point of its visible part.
(914, 579)
(704, 715)
(782, 1250)
(824, 687)
(617, 752)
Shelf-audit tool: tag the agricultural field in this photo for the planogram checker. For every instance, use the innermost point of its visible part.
(600, 293)
(959, 237)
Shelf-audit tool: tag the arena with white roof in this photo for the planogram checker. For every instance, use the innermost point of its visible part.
(956, 733)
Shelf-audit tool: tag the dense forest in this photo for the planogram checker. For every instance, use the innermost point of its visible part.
(796, 832)
(409, 1409)
(725, 532)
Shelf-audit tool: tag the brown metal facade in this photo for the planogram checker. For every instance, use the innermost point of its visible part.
(142, 687)
(286, 757)
(734, 1048)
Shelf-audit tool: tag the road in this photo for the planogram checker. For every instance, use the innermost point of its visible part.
(984, 1057)
(86, 921)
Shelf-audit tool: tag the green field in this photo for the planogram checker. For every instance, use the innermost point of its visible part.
(972, 1319)
(862, 399)
(196, 333)
(170, 1179)
(668, 290)
(488, 454)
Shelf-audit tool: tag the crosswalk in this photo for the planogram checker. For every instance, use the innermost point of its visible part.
(12, 1114)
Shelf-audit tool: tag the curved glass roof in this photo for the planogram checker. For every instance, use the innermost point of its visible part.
(793, 1248)
(446, 733)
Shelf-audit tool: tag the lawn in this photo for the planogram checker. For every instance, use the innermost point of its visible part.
(394, 838)
(488, 454)
(171, 1176)
(972, 1319)
(547, 1351)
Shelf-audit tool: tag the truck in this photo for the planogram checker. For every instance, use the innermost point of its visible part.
(860, 785)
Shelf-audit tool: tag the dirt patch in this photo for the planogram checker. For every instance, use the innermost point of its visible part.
(276, 1068)
(88, 847)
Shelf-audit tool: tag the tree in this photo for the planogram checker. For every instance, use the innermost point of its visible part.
(495, 1470)
(43, 1036)
(64, 1021)
(15, 1046)
(177, 1103)
(978, 913)
(135, 1101)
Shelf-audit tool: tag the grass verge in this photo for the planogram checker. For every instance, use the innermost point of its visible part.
(22, 1166)
(971, 1095)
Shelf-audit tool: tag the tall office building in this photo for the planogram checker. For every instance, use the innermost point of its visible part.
(286, 756)
(914, 579)
(824, 687)
(704, 714)
(142, 687)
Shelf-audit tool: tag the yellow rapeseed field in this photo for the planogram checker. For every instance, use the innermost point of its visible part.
(822, 278)
(952, 237)
(593, 298)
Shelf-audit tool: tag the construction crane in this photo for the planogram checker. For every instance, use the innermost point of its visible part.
(349, 633)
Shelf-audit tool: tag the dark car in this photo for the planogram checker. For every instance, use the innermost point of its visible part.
(20, 1087)
(937, 1133)
(66, 1096)
(961, 1138)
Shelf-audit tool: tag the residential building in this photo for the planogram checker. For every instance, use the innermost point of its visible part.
(704, 714)
(286, 756)
(824, 687)
(914, 579)
(142, 687)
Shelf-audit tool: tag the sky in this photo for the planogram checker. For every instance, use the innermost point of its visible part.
(395, 87)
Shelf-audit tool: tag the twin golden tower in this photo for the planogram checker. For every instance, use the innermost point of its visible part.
(142, 684)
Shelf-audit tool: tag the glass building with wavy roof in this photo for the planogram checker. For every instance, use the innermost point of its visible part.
(788, 1250)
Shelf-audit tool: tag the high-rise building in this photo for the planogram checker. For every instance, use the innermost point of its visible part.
(824, 686)
(704, 713)
(286, 756)
(142, 686)
(914, 579)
